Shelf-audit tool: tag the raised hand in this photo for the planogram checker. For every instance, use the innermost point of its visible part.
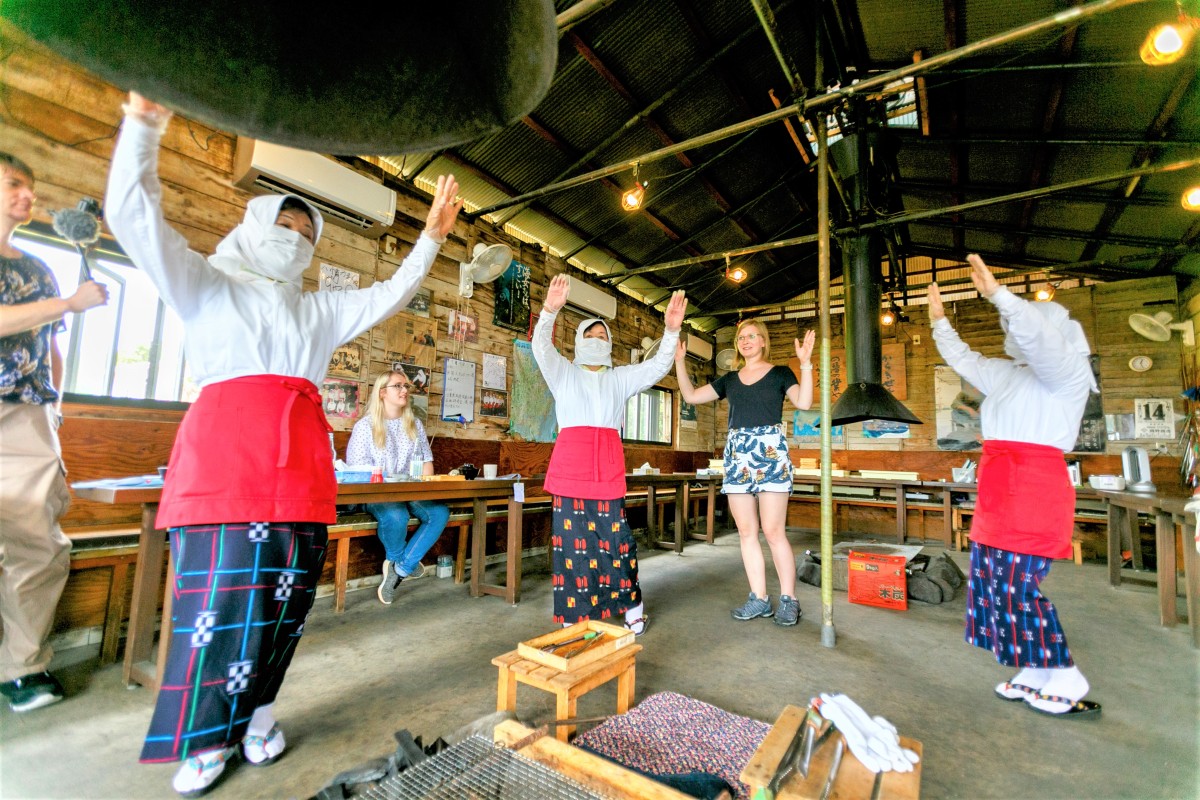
(443, 211)
(675, 309)
(147, 111)
(557, 292)
(89, 295)
(985, 283)
(804, 351)
(936, 309)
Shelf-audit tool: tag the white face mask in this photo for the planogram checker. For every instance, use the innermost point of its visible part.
(282, 254)
(593, 352)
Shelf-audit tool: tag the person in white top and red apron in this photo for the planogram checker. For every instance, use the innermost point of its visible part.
(1024, 514)
(594, 555)
(250, 486)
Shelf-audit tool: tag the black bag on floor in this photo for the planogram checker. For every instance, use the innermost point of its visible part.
(808, 568)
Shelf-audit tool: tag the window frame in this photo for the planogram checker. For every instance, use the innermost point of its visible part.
(668, 423)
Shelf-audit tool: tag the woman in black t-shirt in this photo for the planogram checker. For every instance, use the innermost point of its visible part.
(758, 472)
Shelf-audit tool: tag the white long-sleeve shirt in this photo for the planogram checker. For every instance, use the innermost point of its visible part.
(595, 399)
(233, 328)
(1038, 399)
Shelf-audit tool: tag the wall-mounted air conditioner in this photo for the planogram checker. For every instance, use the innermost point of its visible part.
(590, 300)
(343, 196)
(698, 348)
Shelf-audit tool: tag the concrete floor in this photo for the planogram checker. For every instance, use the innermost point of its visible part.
(424, 664)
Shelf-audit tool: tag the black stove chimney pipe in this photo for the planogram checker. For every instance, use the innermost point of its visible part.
(865, 396)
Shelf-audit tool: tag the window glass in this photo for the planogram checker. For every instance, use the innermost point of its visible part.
(648, 417)
(130, 348)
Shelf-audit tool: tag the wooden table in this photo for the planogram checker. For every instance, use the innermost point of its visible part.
(652, 483)
(140, 667)
(1167, 508)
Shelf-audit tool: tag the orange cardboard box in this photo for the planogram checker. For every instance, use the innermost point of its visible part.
(878, 580)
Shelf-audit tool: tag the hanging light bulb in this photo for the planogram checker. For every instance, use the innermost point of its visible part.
(1166, 43)
(1046, 293)
(1191, 198)
(735, 274)
(888, 317)
(632, 199)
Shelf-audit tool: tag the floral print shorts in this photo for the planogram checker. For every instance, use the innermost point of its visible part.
(756, 460)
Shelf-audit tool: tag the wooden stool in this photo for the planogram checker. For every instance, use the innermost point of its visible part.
(567, 687)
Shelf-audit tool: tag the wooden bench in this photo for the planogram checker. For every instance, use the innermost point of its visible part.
(353, 526)
(114, 549)
(962, 530)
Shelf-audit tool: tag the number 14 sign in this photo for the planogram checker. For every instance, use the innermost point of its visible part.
(1154, 418)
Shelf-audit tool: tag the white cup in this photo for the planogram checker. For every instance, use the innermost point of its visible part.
(416, 468)
(489, 470)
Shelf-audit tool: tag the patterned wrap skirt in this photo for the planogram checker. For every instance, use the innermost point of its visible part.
(756, 460)
(1008, 614)
(241, 594)
(594, 560)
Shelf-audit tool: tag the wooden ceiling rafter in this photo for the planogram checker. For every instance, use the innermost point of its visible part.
(1143, 155)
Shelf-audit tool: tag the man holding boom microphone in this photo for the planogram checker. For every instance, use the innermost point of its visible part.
(34, 553)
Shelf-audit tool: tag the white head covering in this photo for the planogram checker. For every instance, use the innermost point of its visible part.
(258, 249)
(590, 351)
(1055, 316)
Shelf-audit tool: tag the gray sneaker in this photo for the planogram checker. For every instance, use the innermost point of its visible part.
(788, 612)
(754, 607)
(387, 586)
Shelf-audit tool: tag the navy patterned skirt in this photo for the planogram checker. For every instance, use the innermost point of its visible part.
(242, 592)
(594, 560)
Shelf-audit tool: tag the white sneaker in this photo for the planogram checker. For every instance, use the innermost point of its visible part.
(200, 773)
(261, 751)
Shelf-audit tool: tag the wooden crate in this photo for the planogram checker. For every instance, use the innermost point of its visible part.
(612, 638)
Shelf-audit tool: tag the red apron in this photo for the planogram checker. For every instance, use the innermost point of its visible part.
(252, 449)
(1026, 503)
(587, 463)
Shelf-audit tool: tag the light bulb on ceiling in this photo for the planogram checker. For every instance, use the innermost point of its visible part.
(888, 317)
(1046, 293)
(631, 200)
(735, 274)
(1191, 198)
(1166, 43)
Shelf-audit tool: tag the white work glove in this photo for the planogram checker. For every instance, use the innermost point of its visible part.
(873, 741)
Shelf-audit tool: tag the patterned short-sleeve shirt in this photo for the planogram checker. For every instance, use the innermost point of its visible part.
(396, 456)
(25, 375)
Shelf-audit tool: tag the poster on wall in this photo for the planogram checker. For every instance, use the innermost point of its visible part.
(418, 377)
(340, 398)
(893, 373)
(885, 429)
(806, 428)
(495, 372)
(687, 415)
(512, 297)
(463, 327)
(420, 407)
(412, 339)
(1154, 418)
(458, 391)
(420, 303)
(531, 406)
(493, 403)
(1093, 430)
(346, 361)
(956, 410)
(336, 279)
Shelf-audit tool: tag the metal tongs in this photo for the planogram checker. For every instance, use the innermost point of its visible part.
(811, 735)
(552, 647)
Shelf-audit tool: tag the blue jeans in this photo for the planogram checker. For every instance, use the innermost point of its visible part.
(393, 530)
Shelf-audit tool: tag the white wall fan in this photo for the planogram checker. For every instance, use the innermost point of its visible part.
(488, 262)
(1158, 328)
(649, 347)
(725, 359)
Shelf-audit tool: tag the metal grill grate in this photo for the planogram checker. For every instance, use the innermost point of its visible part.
(477, 769)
